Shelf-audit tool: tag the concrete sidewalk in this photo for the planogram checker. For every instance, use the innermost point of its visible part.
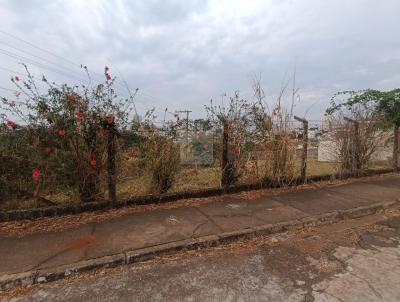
(44, 254)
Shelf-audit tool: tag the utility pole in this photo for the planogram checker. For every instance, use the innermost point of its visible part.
(187, 127)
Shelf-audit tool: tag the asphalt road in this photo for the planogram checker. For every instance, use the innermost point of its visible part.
(354, 260)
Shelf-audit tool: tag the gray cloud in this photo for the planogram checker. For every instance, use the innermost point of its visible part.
(182, 53)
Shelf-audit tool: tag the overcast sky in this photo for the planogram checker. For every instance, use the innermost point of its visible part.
(180, 54)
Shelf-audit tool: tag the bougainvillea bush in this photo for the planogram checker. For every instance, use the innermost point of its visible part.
(261, 143)
(54, 138)
(231, 123)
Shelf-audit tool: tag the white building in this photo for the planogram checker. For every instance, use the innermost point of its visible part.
(328, 147)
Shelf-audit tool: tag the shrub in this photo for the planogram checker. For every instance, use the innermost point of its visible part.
(63, 134)
(161, 157)
(280, 163)
(231, 123)
(358, 133)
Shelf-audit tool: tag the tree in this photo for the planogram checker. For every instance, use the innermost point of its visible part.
(385, 105)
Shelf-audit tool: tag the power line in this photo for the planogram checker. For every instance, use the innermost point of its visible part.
(10, 70)
(38, 57)
(38, 64)
(48, 52)
(52, 54)
(7, 89)
(37, 47)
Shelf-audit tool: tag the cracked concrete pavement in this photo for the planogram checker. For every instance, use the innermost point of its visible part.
(43, 250)
(329, 263)
(353, 260)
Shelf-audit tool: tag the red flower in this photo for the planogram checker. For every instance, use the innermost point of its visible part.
(61, 132)
(35, 174)
(93, 163)
(108, 77)
(10, 124)
(48, 149)
(17, 78)
(106, 69)
(237, 149)
(110, 120)
(71, 97)
(78, 114)
(289, 143)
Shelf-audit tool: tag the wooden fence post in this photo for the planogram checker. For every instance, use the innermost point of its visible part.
(356, 146)
(396, 148)
(111, 171)
(305, 148)
(225, 147)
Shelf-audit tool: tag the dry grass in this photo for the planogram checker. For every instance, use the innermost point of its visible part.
(57, 224)
(188, 178)
(314, 167)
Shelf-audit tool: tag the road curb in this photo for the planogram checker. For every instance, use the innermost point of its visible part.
(139, 255)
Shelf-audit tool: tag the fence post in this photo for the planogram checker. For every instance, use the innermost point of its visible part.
(356, 144)
(396, 148)
(225, 141)
(111, 171)
(305, 148)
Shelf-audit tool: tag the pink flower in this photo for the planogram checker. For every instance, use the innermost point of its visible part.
(35, 174)
(108, 77)
(110, 120)
(106, 68)
(61, 132)
(17, 78)
(48, 149)
(10, 124)
(237, 149)
(71, 97)
(93, 163)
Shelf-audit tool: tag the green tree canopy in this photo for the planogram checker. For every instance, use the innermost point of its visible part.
(384, 103)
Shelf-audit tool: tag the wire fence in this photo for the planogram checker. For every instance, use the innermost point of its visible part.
(153, 161)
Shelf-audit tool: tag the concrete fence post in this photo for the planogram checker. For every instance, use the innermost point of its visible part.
(303, 174)
(225, 149)
(396, 148)
(356, 146)
(111, 170)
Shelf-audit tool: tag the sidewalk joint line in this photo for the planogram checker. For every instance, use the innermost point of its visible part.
(210, 219)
